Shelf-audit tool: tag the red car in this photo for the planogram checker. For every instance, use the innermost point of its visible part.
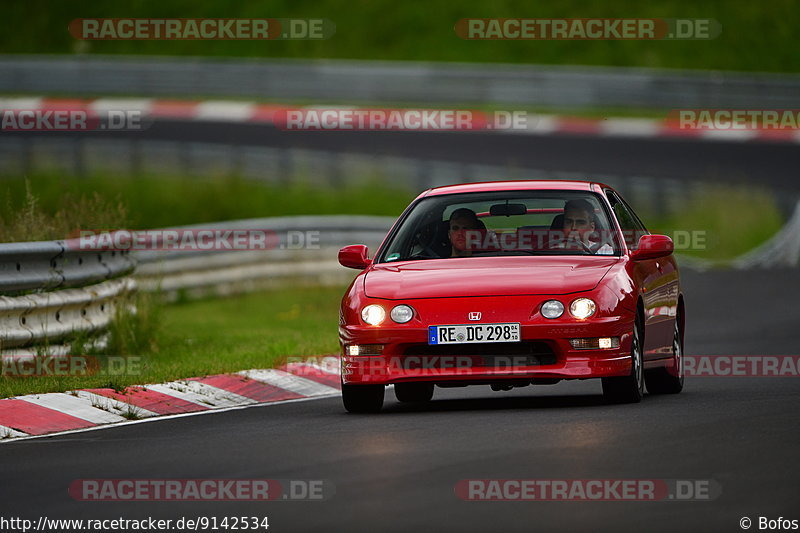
(510, 284)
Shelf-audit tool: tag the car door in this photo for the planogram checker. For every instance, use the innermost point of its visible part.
(654, 277)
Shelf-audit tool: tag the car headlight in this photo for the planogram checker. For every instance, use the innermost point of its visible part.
(582, 308)
(373, 314)
(552, 309)
(402, 314)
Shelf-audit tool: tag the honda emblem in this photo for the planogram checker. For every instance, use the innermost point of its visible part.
(475, 315)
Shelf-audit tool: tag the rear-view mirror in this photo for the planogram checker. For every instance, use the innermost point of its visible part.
(507, 210)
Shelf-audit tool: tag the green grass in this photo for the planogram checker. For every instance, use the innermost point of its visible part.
(50, 207)
(756, 36)
(50, 213)
(257, 330)
(731, 220)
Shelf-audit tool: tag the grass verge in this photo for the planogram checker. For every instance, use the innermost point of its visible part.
(206, 337)
(46, 206)
(723, 222)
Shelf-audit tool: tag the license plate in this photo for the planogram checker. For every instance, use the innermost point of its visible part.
(473, 333)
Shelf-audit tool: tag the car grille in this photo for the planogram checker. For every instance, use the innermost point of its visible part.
(480, 355)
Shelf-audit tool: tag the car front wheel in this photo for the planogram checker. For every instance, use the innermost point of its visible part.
(661, 380)
(362, 398)
(630, 388)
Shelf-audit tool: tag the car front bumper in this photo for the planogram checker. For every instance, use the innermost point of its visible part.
(547, 355)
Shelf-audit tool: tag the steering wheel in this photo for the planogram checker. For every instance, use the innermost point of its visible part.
(586, 247)
(427, 247)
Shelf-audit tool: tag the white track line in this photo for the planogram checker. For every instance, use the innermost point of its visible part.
(290, 382)
(71, 405)
(227, 111)
(201, 394)
(632, 127)
(20, 103)
(122, 104)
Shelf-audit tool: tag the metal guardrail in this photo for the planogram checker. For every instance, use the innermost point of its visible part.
(195, 274)
(51, 290)
(51, 317)
(396, 82)
(332, 231)
(39, 266)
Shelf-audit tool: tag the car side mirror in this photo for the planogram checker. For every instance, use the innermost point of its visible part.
(354, 256)
(653, 247)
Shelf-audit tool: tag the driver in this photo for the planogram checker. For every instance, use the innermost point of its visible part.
(579, 226)
(462, 220)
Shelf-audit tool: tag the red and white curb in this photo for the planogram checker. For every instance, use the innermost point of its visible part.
(253, 112)
(57, 412)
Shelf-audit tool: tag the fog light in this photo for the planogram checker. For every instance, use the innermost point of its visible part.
(364, 349)
(602, 343)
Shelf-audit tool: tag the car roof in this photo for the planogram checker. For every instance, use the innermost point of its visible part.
(516, 185)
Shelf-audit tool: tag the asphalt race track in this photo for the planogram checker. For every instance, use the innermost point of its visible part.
(770, 164)
(397, 471)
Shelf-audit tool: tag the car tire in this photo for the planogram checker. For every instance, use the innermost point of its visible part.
(661, 380)
(362, 398)
(413, 392)
(630, 388)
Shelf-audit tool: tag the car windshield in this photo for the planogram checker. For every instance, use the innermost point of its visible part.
(503, 223)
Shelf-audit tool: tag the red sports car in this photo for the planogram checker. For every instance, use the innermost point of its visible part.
(511, 284)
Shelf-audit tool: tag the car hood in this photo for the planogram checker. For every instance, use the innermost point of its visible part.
(486, 276)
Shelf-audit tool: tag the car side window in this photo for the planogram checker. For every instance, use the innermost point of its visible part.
(632, 227)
